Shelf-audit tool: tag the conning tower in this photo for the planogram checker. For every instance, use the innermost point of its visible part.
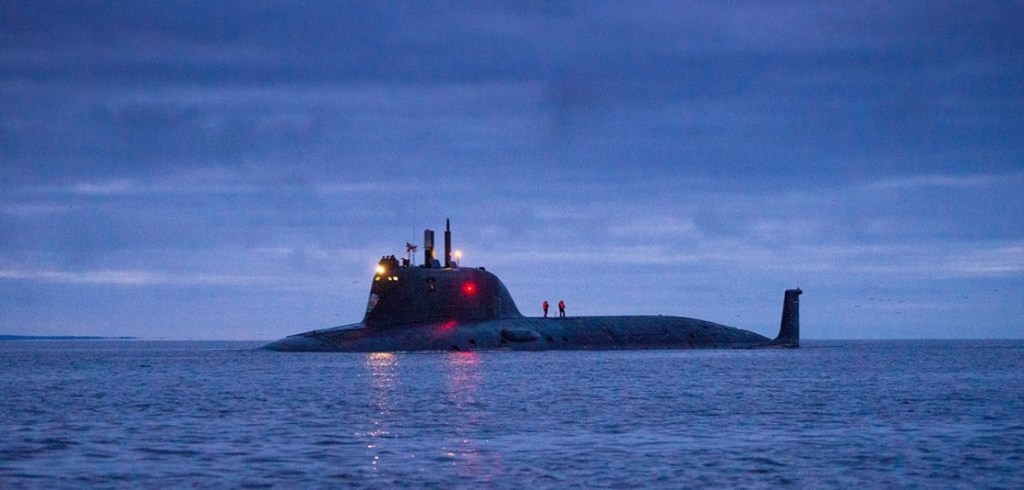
(404, 293)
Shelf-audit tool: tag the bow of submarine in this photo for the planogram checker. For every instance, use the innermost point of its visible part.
(303, 342)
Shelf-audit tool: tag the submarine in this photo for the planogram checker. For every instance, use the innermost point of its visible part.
(439, 306)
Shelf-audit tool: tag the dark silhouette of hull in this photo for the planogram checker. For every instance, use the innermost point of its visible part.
(434, 307)
(597, 333)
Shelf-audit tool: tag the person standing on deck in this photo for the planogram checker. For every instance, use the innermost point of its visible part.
(561, 309)
(545, 306)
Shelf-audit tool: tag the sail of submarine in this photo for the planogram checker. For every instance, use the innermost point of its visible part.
(444, 307)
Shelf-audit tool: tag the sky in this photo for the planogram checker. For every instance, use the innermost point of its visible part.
(234, 169)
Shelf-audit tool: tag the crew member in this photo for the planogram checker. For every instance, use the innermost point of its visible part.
(545, 306)
(561, 309)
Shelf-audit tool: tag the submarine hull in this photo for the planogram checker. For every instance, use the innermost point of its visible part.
(536, 334)
(435, 308)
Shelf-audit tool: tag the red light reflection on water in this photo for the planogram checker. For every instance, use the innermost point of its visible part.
(463, 375)
(448, 325)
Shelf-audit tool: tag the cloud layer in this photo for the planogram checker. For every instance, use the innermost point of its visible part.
(233, 170)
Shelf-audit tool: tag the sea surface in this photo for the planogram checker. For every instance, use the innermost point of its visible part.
(933, 414)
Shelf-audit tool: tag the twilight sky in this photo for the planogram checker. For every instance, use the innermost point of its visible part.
(234, 169)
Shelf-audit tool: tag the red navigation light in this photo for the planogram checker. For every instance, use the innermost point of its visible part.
(469, 288)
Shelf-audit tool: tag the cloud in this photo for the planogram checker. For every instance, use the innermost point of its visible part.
(130, 277)
(120, 186)
(999, 260)
(954, 181)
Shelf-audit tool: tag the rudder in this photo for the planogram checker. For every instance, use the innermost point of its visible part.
(789, 330)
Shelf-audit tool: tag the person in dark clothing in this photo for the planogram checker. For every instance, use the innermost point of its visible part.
(545, 306)
(561, 309)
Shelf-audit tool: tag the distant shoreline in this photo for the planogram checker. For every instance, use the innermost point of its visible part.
(61, 337)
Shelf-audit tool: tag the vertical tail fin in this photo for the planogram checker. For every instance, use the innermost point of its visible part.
(789, 330)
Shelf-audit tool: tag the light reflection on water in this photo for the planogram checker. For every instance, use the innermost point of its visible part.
(457, 402)
(462, 375)
(462, 378)
(383, 381)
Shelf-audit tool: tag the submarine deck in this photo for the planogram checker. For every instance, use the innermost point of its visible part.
(528, 333)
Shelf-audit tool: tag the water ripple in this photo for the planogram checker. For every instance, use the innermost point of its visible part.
(138, 414)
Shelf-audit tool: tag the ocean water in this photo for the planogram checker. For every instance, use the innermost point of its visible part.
(224, 415)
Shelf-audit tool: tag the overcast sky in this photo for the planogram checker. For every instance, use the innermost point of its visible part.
(233, 170)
